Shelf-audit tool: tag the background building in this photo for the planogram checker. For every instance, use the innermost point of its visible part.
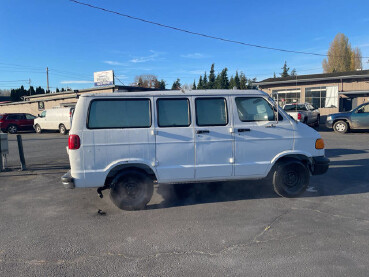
(330, 92)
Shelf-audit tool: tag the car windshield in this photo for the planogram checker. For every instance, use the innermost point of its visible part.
(295, 107)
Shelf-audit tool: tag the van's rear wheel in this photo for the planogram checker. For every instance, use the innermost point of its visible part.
(290, 178)
(131, 190)
(62, 129)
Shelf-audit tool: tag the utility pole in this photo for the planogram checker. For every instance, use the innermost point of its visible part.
(47, 79)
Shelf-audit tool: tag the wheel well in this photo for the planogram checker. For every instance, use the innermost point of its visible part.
(341, 119)
(299, 157)
(61, 125)
(139, 167)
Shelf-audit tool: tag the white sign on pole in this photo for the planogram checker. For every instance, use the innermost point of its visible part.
(104, 78)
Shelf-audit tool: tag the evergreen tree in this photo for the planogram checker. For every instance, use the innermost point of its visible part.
(194, 85)
(222, 79)
(57, 90)
(211, 83)
(237, 81)
(199, 84)
(274, 75)
(176, 84)
(285, 70)
(293, 72)
(243, 81)
(62, 89)
(31, 91)
(205, 81)
(232, 83)
(162, 84)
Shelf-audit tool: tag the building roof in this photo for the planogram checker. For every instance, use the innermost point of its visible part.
(316, 77)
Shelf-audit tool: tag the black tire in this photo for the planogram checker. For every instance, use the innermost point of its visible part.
(305, 120)
(62, 129)
(38, 129)
(341, 127)
(290, 178)
(131, 190)
(317, 122)
(12, 129)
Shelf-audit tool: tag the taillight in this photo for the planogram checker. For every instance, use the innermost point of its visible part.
(74, 142)
(299, 116)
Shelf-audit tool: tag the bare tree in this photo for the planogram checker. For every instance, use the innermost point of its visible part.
(146, 81)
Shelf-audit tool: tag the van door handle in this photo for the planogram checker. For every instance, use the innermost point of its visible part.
(243, 130)
(202, 131)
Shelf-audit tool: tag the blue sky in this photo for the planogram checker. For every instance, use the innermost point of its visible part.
(74, 41)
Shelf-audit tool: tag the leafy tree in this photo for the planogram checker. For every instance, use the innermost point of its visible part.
(293, 72)
(146, 81)
(341, 57)
(251, 83)
(40, 90)
(211, 83)
(176, 84)
(62, 89)
(194, 85)
(285, 70)
(57, 90)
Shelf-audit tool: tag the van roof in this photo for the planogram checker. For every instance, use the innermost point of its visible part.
(210, 92)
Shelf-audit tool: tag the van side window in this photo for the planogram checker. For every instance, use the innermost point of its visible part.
(211, 111)
(173, 112)
(254, 109)
(119, 113)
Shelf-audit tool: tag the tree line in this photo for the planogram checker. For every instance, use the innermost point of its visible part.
(17, 94)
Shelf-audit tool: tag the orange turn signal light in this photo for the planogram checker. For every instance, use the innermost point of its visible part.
(319, 144)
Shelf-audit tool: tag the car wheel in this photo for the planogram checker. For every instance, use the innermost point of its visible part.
(12, 129)
(62, 129)
(317, 122)
(290, 178)
(38, 129)
(340, 127)
(131, 190)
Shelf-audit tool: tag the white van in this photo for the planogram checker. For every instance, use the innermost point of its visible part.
(127, 142)
(54, 119)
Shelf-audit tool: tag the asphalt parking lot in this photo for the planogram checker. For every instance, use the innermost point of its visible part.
(232, 229)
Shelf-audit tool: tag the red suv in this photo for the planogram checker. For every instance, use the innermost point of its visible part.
(14, 122)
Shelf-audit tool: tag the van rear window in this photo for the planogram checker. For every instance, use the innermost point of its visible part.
(119, 113)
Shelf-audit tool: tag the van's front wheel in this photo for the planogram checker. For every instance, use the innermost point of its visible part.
(62, 129)
(131, 190)
(290, 178)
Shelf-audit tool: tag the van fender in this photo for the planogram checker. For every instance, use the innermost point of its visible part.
(139, 163)
(293, 154)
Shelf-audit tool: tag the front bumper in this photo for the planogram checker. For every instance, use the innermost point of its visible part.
(68, 181)
(320, 165)
(329, 124)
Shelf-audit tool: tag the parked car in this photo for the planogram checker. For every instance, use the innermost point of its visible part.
(303, 112)
(14, 122)
(357, 118)
(128, 142)
(58, 119)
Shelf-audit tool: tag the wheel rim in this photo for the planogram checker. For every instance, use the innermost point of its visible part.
(291, 179)
(38, 129)
(340, 127)
(62, 129)
(12, 129)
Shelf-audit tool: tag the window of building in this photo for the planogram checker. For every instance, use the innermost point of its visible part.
(254, 109)
(211, 111)
(287, 96)
(322, 97)
(173, 112)
(120, 113)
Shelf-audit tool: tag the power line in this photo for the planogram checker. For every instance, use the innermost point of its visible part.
(201, 34)
(14, 81)
(119, 80)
